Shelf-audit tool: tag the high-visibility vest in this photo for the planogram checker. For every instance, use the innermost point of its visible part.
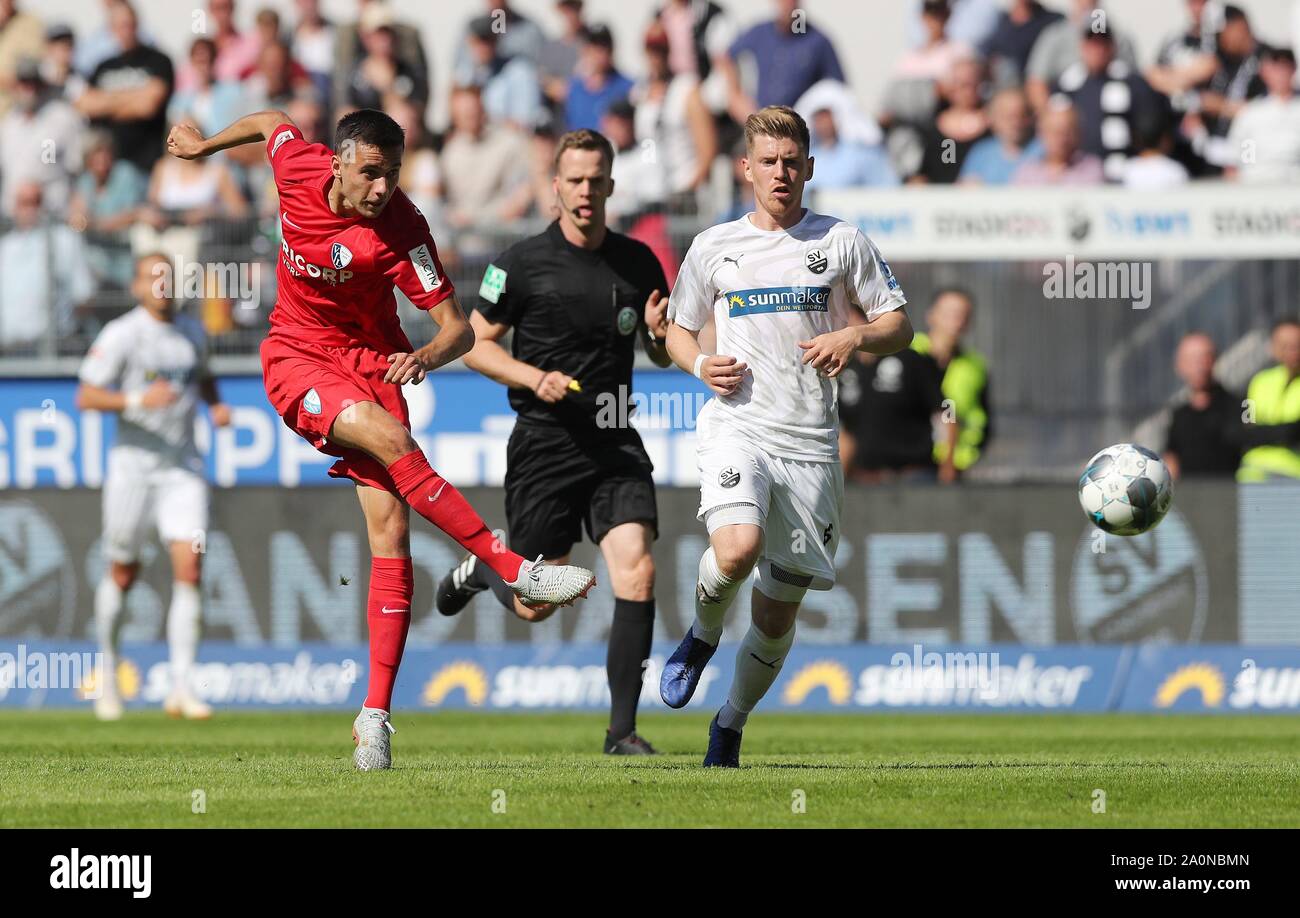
(963, 383)
(1275, 398)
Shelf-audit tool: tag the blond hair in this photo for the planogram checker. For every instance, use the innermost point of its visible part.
(583, 139)
(779, 121)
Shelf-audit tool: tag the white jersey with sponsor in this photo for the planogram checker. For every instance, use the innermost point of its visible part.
(128, 355)
(767, 290)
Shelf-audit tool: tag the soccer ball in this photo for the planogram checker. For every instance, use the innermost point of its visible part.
(1126, 489)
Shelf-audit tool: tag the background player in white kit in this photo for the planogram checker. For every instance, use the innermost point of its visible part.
(793, 295)
(150, 366)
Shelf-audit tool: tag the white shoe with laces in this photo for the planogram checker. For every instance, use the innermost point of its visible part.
(540, 583)
(371, 731)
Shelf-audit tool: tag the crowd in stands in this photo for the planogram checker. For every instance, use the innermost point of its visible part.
(990, 92)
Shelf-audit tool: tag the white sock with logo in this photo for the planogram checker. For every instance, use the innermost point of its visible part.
(721, 591)
(183, 621)
(758, 662)
(109, 600)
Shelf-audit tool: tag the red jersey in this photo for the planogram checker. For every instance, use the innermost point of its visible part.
(336, 275)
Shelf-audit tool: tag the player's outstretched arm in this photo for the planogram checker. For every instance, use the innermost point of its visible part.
(454, 339)
(159, 394)
(186, 142)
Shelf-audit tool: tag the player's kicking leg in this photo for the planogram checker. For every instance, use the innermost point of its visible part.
(368, 427)
(388, 615)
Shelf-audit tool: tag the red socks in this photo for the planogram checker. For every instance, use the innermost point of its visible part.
(431, 496)
(388, 612)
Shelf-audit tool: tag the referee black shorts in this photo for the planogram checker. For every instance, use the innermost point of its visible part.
(557, 483)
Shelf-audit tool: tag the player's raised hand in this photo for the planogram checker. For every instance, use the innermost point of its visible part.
(552, 387)
(185, 141)
(159, 394)
(405, 368)
(722, 374)
(656, 314)
(830, 353)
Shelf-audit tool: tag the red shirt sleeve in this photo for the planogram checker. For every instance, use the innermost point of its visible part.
(409, 258)
(285, 150)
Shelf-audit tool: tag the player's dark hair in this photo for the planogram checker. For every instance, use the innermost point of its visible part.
(371, 127)
(960, 291)
(1284, 323)
(583, 139)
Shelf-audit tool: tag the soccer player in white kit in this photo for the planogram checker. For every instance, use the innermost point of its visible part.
(150, 366)
(793, 294)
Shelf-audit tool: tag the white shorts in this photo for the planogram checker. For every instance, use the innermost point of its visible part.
(796, 503)
(143, 488)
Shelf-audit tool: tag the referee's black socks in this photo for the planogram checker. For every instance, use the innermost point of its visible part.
(629, 647)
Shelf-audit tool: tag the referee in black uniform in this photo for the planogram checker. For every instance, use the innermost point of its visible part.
(577, 296)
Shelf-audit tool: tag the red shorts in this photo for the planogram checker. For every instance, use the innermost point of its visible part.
(309, 384)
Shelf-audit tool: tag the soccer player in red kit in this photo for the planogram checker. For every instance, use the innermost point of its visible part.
(336, 358)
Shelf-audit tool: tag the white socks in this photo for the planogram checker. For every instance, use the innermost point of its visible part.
(183, 633)
(108, 621)
(758, 662)
(720, 590)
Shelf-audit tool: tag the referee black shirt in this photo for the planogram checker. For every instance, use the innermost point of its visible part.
(575, 311)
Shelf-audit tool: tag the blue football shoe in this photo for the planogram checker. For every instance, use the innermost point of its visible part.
(724, 747)
(682, 671)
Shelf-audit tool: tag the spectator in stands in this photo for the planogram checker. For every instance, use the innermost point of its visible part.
(314, 37)
(105, 203)
(22, 36)
(939, 53)
(1152, 167)
(1265, 135)
(184, 197)
(805, 53)
(969, 22)
(596, 83)
(381, 76)
(558, 57)
(210, 103)
(1062, 162)
(961, 123)
(517, 36)
(1187, 60)
(672, 118)
(742, 194)
(698, 31)
(639, 178)
(1207, 434)
(511, 92)
(489, 163)
(1234, 83)
(128, 93)
(40, 141)
(1110, 98)
(236, 51)
(994, 160)
(57, 68)
(843, 162)
(889, 409)
(421, 176)
(95, 47)
(40, 290)
(349, 47)
(1273, 397)
(965, 382)
(1060, 47)
(1012, 42)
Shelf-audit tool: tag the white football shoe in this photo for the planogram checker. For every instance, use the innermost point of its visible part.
(181, 703)
(371, 731)
(108, 706)
(540, 583)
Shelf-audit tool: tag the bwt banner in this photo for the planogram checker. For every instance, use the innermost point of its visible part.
(1213, 221)
(285, 567)
(857, 677)
(460, 419)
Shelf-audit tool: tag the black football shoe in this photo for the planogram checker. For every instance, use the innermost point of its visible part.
(459, 586)
(632, 744)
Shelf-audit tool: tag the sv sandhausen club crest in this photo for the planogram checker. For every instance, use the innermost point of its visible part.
(815, 261)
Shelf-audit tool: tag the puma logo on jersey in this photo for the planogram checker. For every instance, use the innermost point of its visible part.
(735, 261)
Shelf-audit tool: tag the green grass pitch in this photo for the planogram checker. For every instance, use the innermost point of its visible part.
(61, 768)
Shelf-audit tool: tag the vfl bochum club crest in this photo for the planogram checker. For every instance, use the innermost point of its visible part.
(815, 261)
(340, 255)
